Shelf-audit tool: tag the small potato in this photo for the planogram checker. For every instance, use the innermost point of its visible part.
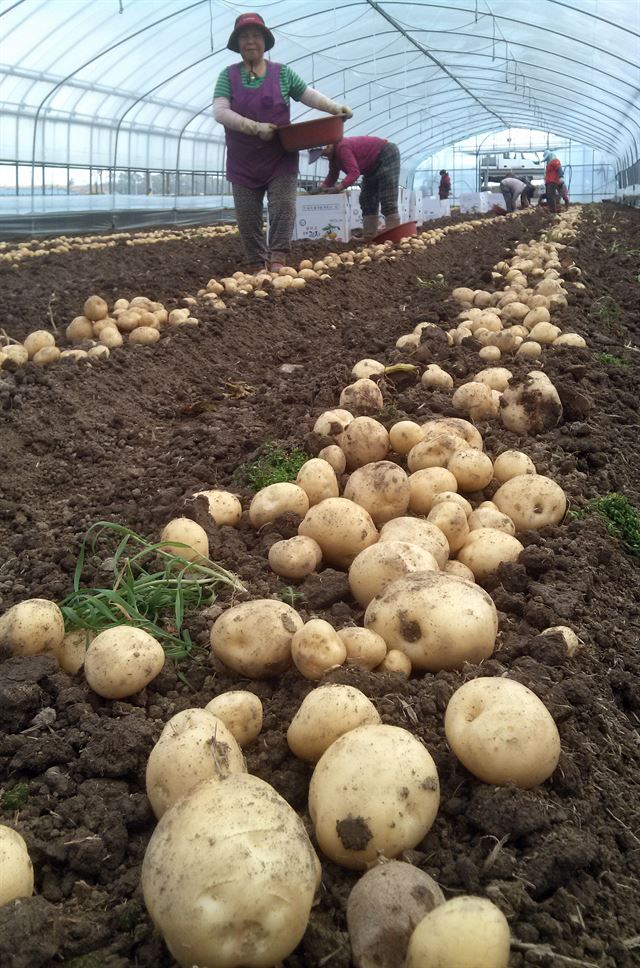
(458, 570)
(365, 440)
(331, 423)
(16, 877)
(252, 875)
(317, 479)
(407, 340)
(295, 557)
(50, 354)
(72, 650)
(435, 376)
(365, 648)
(241, 713)
(186, 539)
(475, 399)
(79, 329)
(445, 496)
(334, 456)
(111, 337)
(366, 368)
(465, 932)
(486, 548)
(363, 395)
(532, 501)
(193, 746)
(144, 336)
(490, 517)
(224, 508)
(382, 488)
(396, 662)
(95, 308)
(342, 529)
(572, 641)
(316, 648)
(254, 638)
(375, 792)
(570, 339)
(435, 450)
(375, 567)
(511, 463)
(38, 340)
(437, 620)
(417, 532)
(545, 333)
(502, 732)
(489, 354)
(425, 484)
(452, 521)
(327, 713)
(496, 377)
(530, 349)
(471, 468)
(276, 499)
(404, 435)
(121, 661)
(33, 626)
(383, 909)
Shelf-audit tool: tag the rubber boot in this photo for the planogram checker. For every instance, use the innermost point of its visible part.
(390, 221)
(369, 227)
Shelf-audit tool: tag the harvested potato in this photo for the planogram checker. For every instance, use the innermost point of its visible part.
(529, 349)
(396, 662)
(381, 488)
(186, 539)
(248, 895)
(435, 450)
(241, 713)
(570, 339)
(545, 333)
(458, 570)
(144, 336)
(365, 648)
(35, 625)
(489, 354)
(331, 423)
(502, 732)
(276, 499)
(341, 528)
(487, 548)
(111, 337)
(408, 340)
(374, 792)
(438, 620)
(447, 496)
(362, 395)
(367, 368)
(38, 340)
(532, 501)
(455, 425)
(95, 308)
(317, 479)
(531, 405)
(490, 517)
(571, 640)
(435, 376)
(417, 532)
(121, 661)
(316, 648)
(472, 469)
(383, 909)
(224, 508)
(381, 563)
(72, 650)
(327, 713)
(496, 377)
(364, 441)
(475, 399)
(510, 463)
(425, 484)
(51, 354)
(465, 932)
(452, 521)
(404, 435)
(295, 557)
(16, 879)
(334, 456)
(193, 746)
(254, 638)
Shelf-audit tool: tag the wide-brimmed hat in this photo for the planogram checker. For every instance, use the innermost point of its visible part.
(250, 20)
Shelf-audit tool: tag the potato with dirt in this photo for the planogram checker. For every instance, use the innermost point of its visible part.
(327, 713)
(254, 638)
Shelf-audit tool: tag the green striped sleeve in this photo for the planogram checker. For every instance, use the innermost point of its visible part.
(291, 85)
(223, 86)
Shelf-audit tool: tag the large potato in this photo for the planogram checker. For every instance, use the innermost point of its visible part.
(194, 746)
(455, 425)
(425, 484)
(531, 501)
(502, 732)
(317, 479)
(331, 423)
(35, 625)
(435, 450)
(224, 508)
(316, 648)
(530, 405)
(510, 463)
(465, 932)
(418, 532)
(486, 548)
(254, 638)
(383, 909)
(276, 499)
(364, 440)
(334, 456)
(241, 713)
(382, 488)
(364, 395)
(229, 876)
(495, 377)
(121, 661)
(342, 529)
(471, 468)
(438, 620)
(325, 714)
(475, 399)
(16, 869)
(404, 435)
(367, 368)
(490, 517)
(375, 792)
(375, 567)
(186, 539)
(365, 648)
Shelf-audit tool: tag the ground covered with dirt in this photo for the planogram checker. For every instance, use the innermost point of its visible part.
(130, 439)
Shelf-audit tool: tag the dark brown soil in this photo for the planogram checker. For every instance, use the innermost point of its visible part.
(129, 440)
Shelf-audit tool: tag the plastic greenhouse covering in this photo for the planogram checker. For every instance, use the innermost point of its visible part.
(112, 99)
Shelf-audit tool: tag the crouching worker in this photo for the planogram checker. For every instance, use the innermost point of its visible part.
(511, 188)
(378, 161)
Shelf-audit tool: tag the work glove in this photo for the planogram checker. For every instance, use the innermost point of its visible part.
(265, 131)
(346, 110)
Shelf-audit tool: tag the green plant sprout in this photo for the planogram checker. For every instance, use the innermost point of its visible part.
(437, 282)
(623, 520)
(273, 466)
(15, 798)
(151, 588)
(609, 360)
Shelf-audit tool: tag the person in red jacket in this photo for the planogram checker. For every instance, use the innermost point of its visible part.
(378, 161)
(553, 181)
(444, 188)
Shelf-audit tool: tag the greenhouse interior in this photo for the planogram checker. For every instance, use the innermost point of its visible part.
(319, 489)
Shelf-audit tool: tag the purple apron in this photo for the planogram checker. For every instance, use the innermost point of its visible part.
(250, 161)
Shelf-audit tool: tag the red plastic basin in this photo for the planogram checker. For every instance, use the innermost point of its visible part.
(312, 134)
(402, 231)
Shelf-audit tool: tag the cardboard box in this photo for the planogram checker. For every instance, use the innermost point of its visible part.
(475, 201)
(322, 217)
(434, 207)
